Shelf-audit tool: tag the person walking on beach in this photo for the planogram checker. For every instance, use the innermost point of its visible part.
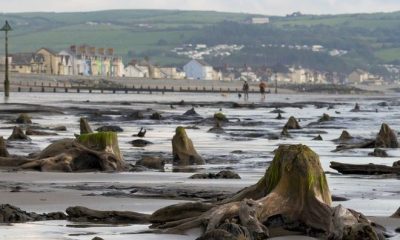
(246, 90)
(262, 89)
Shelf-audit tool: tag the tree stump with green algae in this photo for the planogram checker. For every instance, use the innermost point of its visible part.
(183, 151)
(89, 152)
(294, 187)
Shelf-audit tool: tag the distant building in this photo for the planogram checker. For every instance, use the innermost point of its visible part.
(248, 75)
(50, 64)
(67, 63)
(136, 70)
(360, 76)
(89, 61)
(3, 62)
(300, 76)
(21, 62)
(170, 73)
(200, 70)
(259, 20)
(317, 48)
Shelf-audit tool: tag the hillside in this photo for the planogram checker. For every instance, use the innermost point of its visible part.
(137, 31)
(361, 40)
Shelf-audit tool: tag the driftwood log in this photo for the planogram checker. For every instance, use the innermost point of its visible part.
(12, 214)
(364, 169)
(83, 214)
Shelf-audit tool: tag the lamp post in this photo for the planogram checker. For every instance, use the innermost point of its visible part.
(5, 29)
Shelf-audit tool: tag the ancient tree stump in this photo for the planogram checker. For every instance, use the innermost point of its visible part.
(84, 126)
(183, 151)
(293, 188)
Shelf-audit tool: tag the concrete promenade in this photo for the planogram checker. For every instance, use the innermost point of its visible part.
(54, 83)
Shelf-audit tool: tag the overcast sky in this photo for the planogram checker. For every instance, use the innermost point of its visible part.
(268, 7)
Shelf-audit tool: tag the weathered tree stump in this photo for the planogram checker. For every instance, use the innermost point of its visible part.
(396, 214)
(156, 116)
(345, 136)
(378, 153)
(183, 151)
(84, 126)
(318, 138)
(292, 123)
(294, 187)
(18, 134)
(325, 118)
(356, 108)
(220, 117)
(386, 138)
(191, 112)
(3, 148)
(90, 152)
(23, 118)
(285, 133)
(151, 162)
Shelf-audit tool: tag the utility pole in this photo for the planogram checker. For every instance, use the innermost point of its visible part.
(276, 83)
(5, 29)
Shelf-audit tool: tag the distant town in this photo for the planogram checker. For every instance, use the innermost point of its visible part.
(85, 60)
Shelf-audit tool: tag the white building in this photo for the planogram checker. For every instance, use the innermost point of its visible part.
(199, 70)
(259, 20)
(136, 71)
(67, 63)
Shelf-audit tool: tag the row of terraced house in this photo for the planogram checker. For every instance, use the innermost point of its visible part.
(82, 60)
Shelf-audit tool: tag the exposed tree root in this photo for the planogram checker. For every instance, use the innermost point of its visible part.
(294, 187)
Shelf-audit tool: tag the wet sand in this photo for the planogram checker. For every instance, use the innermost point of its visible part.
(46, 192)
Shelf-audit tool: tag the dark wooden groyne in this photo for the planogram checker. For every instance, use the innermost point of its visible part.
(80, 88)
